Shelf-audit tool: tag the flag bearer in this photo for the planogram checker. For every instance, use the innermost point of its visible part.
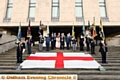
(19, 51)
(29, 42)
(104, 50)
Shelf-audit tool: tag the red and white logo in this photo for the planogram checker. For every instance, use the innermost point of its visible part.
(60, 60)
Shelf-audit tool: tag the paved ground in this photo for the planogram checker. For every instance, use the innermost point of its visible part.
(8, 65)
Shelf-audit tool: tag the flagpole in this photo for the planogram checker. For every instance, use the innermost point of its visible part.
(83, 28)
(73, 32)
(48, 28)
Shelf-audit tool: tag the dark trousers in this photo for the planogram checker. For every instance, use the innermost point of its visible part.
(52, 45)
(19, 56)
(68, 45)
(47, 46)
(29, 48)
(61, 45)
(88, 47)
(92, 50)
(103, 57)
(81, 46)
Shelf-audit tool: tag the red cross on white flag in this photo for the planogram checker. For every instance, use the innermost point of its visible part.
(60, 60)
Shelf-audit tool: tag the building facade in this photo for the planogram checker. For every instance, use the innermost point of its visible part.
(60, 15)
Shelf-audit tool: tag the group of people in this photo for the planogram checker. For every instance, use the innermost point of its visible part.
(58, 42)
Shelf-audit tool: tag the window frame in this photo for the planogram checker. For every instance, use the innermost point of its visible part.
(79, 4)
(31, 5)
(55, 4)
(104, 5)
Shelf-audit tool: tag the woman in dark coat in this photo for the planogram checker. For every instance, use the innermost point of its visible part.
(103, 49)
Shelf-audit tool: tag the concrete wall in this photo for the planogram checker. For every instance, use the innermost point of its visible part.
(67, 12)
(20, 11)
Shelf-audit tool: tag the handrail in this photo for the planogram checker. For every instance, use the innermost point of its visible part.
(7, 42)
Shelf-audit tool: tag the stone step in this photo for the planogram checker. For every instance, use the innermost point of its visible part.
(14, 64)
(96, 56)
(9, 64)
(98, 77)
(79, 69)
(88, 72)
(109, 61)
(14, 58)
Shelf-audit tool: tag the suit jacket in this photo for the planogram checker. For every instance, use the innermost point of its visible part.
(29, 41)
(103, 48)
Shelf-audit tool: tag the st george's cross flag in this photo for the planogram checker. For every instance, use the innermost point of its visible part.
(60, 60)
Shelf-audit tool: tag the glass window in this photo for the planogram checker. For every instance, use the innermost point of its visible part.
(55, 12)
(78, 11)
(102, 8)
(55, 8)
(32, 12)
(78, 0)
(10, 1)
(32, 1)
(9, 12)
(54, 1)
(78, 8)
(9, 9)
(32, 7)
(101, 1)
(102, 12)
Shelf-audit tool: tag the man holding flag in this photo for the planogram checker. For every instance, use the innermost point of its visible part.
(94, 34)
(19, 45)
(73, 32)
(83, 28)
(40, 30)
(29, 39)
(103, 45)
(101, 32)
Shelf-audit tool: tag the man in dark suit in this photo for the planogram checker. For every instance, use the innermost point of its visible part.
(29, 42)
(104, 50)
(81, 42)
(19, 51)
(88, 42)
(62, 40)
(47, 42)
(68, 41)
(92, 46)
(52, 41)
(41, 41)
